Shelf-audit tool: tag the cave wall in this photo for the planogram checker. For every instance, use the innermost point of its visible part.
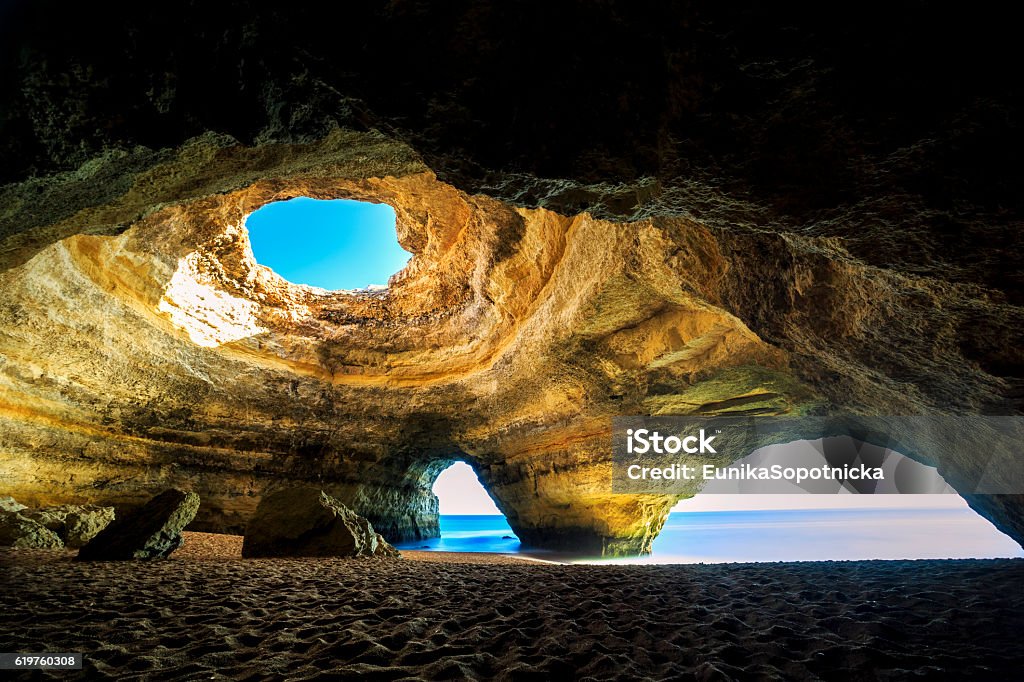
(689, 210)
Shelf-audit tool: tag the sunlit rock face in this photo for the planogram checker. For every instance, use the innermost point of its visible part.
(768, 230)
(167, 356)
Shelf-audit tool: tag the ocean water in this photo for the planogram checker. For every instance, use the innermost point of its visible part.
(772, 535)
(478, 533)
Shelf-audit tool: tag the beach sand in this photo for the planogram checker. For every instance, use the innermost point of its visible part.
(206, 612)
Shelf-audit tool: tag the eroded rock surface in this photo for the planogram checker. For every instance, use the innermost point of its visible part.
(17, 530)
(305, 521)
(152, 531)
(510, 339)
(74, 524)
(738, 211)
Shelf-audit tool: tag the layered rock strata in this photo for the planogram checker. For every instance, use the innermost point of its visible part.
(765, 226)
(165, 356)
(510, 340)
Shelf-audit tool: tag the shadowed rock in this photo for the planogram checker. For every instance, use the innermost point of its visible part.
(309, 522)
(151, 532)
(24, 533)
(74, 524)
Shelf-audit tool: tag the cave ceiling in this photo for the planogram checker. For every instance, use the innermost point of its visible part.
(683, 209)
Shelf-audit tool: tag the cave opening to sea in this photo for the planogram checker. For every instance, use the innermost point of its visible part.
(331, 244)
(920, 517)
(912, 513)
(470, 521)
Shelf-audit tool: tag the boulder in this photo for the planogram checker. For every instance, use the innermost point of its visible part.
(152, 531)
(9, 504)
(82, 524)
(25, 533)
(308, 522)
(51, 517)
(75, 524)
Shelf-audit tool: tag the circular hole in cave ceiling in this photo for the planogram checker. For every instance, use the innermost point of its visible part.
(335, 244)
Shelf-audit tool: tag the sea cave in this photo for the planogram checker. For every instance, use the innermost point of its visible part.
(687, 211)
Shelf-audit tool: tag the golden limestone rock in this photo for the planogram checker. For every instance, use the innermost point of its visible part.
(164, 356)
(690, 209)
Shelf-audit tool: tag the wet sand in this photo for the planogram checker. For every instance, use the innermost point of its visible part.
(208, 613)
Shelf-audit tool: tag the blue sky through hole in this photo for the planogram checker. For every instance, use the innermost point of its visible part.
(332, 244)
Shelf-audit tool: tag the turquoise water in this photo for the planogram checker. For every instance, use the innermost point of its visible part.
(471, 534)
(776, 535)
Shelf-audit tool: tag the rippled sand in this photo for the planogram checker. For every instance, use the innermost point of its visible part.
(207, 612)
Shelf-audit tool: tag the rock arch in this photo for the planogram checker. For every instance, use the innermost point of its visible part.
(572, 262)
(514, 334)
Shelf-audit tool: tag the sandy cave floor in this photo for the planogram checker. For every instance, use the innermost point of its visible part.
(207, 612)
